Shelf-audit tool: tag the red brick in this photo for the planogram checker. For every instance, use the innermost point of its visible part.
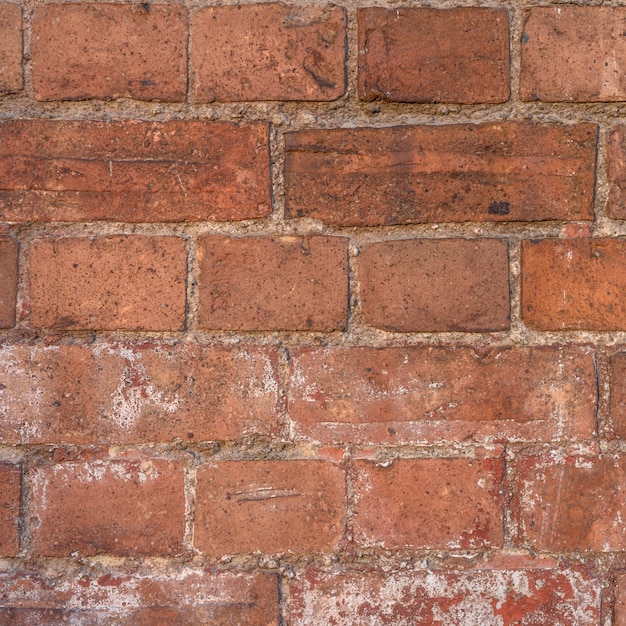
(616, 166)
(125, 393)
(436, 395)
(133, 171)
(574, 284)
(109, 283)
(429, 503)
(269, 506)
(8, 281)
(509, 171)
(10, 48)
(268, 52)
(574, 53)
(98, 50)
(568, 597)
(149, 599)
(620, 601)
(10, 499)
(570, 503)
(435, 285)
(123, 508)
(618, 394)
(433, 55)
(273, 283)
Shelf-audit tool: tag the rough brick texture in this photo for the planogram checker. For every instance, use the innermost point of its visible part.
(427, 395)
(10, 48)
(269, 506)
(433, 55)
(116, 507)
(10, 500)
(121, 282)
(268, 52)
(574, 284)
(574, 54)
(508, 171)
(83, 51)
(571, 503)
(312, 313)
(191, 596)
(478, 596)
(278, 283)
(429, 503)
(136, 393)
(132, 171)
(435, 285)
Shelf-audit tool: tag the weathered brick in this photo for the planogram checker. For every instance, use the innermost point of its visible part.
(436, 394)
(570, 503)
(435, 285)
(574, 284)
(117, 507)
(620, 600)
(273, 283)
(108, 283)
(268, 52)
(429, 503)
(509, 171)
(134, 393)
(618, 393)
(148, 599)
(574, 53)
(269, 506)
(433, 55)
(8, 281)
(567, 597)
(97, 50)
(616, 170)
(10, 48)
(133, 171)
(10, 499)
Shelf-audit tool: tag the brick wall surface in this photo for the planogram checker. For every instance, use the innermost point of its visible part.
(313, 313)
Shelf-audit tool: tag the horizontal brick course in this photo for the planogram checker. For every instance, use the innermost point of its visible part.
(507, 171)
(133, 171)
(268, 52)
(433, 55)
(432, 395)
(100, 50)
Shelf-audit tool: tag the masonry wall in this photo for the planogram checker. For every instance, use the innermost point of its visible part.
(312, 314)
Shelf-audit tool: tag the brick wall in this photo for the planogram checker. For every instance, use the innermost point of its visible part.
(312, 314)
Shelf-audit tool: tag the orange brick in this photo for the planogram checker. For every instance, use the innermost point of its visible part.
(190, 596)
(8, 281)
(273, 283)
(268, 52)
(435, 285)
(616, 170)
(574, 284)
(133, 171)
(98, 50)
(573, 503)
(569, 597)
(433, 55)
(437, 395)
(10, 499)
(504, 172)
(429, 504)
(123, 508)
(618, 393)
(109, 283)
(10, 48)
(136, 393)
(269, 506)
(574, 53)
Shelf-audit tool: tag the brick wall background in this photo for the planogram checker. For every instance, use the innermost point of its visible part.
(312, 314)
